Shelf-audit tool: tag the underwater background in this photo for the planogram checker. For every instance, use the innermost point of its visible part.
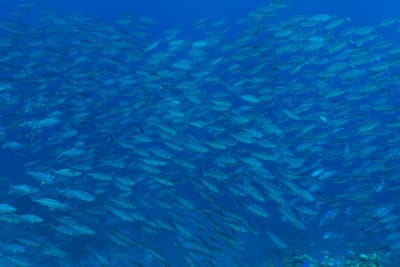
(199, 133)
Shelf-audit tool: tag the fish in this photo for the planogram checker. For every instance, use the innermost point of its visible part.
(125, 142)
(7, 208)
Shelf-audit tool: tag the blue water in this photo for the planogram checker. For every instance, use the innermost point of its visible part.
(183, 13)
(326, 232)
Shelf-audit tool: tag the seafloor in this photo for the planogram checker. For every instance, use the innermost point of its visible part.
(304, 260)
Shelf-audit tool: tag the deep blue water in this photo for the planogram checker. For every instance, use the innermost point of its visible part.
(332, 229)
(183, 13)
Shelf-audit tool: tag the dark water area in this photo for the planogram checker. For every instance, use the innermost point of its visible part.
(205, 133)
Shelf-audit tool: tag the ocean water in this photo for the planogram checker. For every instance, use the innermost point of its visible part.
(205, 133)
